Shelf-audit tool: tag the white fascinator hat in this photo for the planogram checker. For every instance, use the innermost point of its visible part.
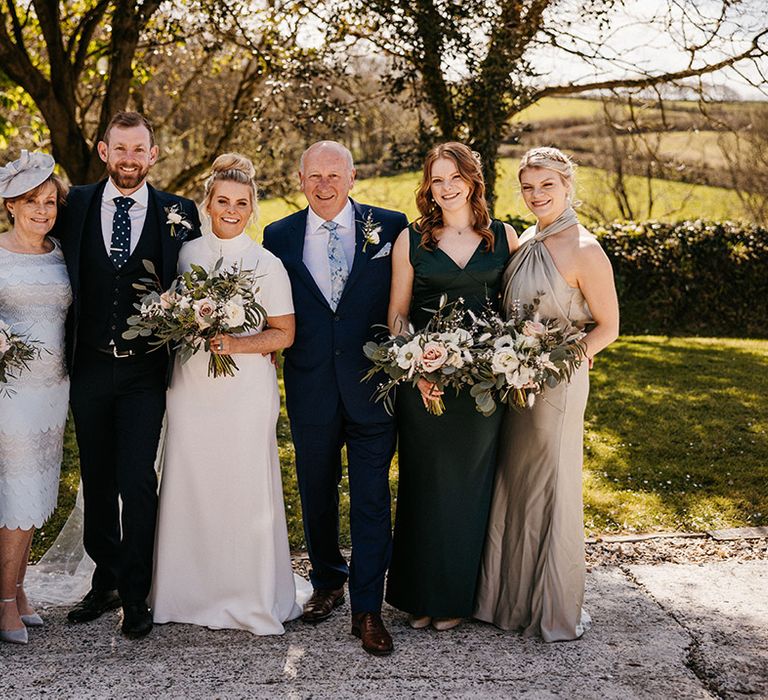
(25, 173)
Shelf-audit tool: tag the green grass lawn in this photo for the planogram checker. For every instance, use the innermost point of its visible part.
(676, 439)
(550, 109)
(674, 201)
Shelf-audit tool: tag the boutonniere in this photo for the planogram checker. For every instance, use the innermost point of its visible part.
(176, 218)
(371, 230)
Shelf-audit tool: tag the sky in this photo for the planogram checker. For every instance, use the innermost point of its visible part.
(645, 34)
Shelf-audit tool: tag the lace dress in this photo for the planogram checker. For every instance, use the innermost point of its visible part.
(34, 298)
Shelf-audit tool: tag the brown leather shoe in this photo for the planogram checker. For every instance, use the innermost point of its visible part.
(321, 604)
(369, 627)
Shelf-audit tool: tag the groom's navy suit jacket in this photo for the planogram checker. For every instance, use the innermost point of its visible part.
(81, 225)
(325, 365)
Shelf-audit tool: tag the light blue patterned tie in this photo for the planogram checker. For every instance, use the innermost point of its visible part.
(337, 262)
(120, 244)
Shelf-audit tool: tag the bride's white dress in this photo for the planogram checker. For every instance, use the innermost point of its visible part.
(221, 556)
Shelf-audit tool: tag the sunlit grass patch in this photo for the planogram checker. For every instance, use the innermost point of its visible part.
(676, 439)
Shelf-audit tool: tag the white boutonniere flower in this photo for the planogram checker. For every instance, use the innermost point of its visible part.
(371, 231)
(176, 218)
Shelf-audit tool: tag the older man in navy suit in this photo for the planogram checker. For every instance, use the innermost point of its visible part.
(336, 253)
(118, 386)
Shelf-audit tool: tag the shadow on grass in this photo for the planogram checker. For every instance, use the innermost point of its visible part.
(677, 435)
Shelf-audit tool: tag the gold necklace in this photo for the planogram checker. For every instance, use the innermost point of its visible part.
(459, 231)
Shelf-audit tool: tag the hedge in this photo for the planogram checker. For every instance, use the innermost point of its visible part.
(707, 278)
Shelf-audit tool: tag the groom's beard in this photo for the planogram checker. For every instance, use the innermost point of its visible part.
(127, 181)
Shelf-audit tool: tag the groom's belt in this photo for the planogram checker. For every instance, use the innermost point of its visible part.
(117, 353)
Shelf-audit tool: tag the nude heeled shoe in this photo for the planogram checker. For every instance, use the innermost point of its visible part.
(419, 622)
(13, 636)
(443, 624)
(33, 620)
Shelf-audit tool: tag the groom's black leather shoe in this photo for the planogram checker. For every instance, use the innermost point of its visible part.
(321, 604)
(94, 605)
(137, 620)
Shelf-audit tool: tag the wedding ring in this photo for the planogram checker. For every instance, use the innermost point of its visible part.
(221, 345)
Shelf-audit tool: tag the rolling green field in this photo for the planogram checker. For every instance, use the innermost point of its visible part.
(676, 439)
(551, 109)
(673, 201)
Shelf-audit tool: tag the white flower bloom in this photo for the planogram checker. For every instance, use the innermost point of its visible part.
(504, 361)
(408, 355)
(234, 313)
(374, 236)
(546, 362)
(151, 308)
(504, 341)
(174, 218)
(527, 341)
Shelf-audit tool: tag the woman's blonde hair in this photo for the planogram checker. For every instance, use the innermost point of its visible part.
(232, 167)
(550, 158)
(470, 168)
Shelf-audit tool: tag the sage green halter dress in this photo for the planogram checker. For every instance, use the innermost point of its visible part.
(447, 462)
(533, 571)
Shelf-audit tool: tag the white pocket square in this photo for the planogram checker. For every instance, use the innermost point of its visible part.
(385, 250)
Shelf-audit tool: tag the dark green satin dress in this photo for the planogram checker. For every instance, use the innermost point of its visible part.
(446, 462)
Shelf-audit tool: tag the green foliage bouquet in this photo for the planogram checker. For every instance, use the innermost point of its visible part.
(517, 358)
(17, 350)
(198, 306)
(441, 353)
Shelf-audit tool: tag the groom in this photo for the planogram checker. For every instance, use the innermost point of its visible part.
(336, 253)
(118, 386)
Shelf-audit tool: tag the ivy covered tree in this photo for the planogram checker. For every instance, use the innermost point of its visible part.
(75, 60)
(475, 62)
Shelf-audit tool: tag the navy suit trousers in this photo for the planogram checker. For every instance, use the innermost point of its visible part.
(318, 467)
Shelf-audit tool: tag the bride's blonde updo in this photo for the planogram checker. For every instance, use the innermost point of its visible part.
(232, 167)
(550, 159)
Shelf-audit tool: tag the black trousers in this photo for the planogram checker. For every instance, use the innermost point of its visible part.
(118, 406)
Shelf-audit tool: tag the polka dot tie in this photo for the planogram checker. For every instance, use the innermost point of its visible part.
(337, 262)
(120, 245)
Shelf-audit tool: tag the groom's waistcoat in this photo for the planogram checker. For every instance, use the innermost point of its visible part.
(107, 295)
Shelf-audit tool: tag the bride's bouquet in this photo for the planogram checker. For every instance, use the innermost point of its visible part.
(441, 353)
(17, 350)
(518, 357)
(199, 305)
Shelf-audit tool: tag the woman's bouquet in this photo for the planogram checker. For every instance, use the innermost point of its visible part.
(441, 353)
(16, 352)
(198, 305)
(517, 358)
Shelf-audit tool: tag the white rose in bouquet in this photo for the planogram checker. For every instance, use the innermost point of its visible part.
(234, 312)
(506, 362)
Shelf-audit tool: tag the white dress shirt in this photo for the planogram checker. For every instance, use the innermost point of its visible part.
(137, 212)
(316, 245)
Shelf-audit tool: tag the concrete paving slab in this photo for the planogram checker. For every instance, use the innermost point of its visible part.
(724, 606)
(634, 650)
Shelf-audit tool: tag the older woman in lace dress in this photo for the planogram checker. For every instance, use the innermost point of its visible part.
(34, 298)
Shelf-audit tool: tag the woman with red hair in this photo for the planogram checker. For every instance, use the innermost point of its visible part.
(446, 462)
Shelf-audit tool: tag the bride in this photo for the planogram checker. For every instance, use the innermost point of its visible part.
(221, 555)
